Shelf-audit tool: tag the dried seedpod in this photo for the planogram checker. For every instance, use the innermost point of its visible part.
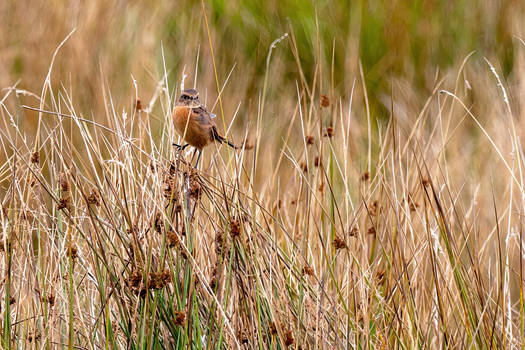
(180, 318)
(324, 101)
(373, 208)
(338, 243)
(365, 176)
(94, 198)
(235, 228)
(219, 243)
(329, 132)
(50, 299)
(35, 158)
(380, 276)
(158, 280)
(195, 187)
(272, 328)
(158, 223)
(309, 140)
(288, 338)
(72, 252)
(172, 239)
(64, 182)
(64, 203)
(307, 270)
(138, 105)
(303, 167)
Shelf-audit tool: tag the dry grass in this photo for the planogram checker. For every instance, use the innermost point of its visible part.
(336, 230)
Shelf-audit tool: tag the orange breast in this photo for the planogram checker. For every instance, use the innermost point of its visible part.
(189, 126)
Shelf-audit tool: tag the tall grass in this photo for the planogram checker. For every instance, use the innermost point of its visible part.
(333, 227)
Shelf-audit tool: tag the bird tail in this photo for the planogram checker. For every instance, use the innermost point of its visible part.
(223, 140)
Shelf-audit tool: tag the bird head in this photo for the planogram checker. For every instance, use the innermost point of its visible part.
(189, 97)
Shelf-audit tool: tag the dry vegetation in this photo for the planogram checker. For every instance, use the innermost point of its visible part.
(337, 227)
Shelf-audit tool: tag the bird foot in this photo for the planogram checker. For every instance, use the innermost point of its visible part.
(179, 147)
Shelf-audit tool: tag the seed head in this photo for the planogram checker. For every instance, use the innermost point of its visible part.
(64, 203)
(325, 101)
(35, 158)
(64, 183)
(288, 338)
(180, 318)
(329, 132)
(94, 198)
(235, 228)
(138, 105)
(307, 270)
(338, 243)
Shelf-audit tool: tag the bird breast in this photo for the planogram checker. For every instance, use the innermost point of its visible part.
(192, 127)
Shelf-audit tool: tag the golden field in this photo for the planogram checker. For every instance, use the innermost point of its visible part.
(378, 201)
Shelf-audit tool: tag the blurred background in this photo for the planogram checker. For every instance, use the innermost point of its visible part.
(416, 42)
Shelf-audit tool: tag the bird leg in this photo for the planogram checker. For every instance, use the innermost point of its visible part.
(198, 158)
(193, 155)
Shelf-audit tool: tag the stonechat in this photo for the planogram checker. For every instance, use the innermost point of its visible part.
(195, 124)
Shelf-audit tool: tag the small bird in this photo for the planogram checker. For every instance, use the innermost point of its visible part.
(194, 123)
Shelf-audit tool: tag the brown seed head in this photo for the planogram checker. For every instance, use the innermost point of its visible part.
(325, 101)
(180, 318)
(64, 203)
(329, 132)
(72, 252)
(288, 338)
(195, 188)
(338, 243)
(235, 228)
(307, 270)
(138, 105)
(371, 230)
(219, 243)
(134, 279)
(317, 161)
(50, 299)
(374, 208)
(242, 335)
(354, 231)
(380, 276)
(94, 197)
(158, 223)
(304, 167)
(159, 280)
(309, 140)
(273, 328)
(64, 183)
(172, 239)
(365, 176)
(35, 157)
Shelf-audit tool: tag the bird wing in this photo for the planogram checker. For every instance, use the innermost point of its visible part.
(202, 116)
